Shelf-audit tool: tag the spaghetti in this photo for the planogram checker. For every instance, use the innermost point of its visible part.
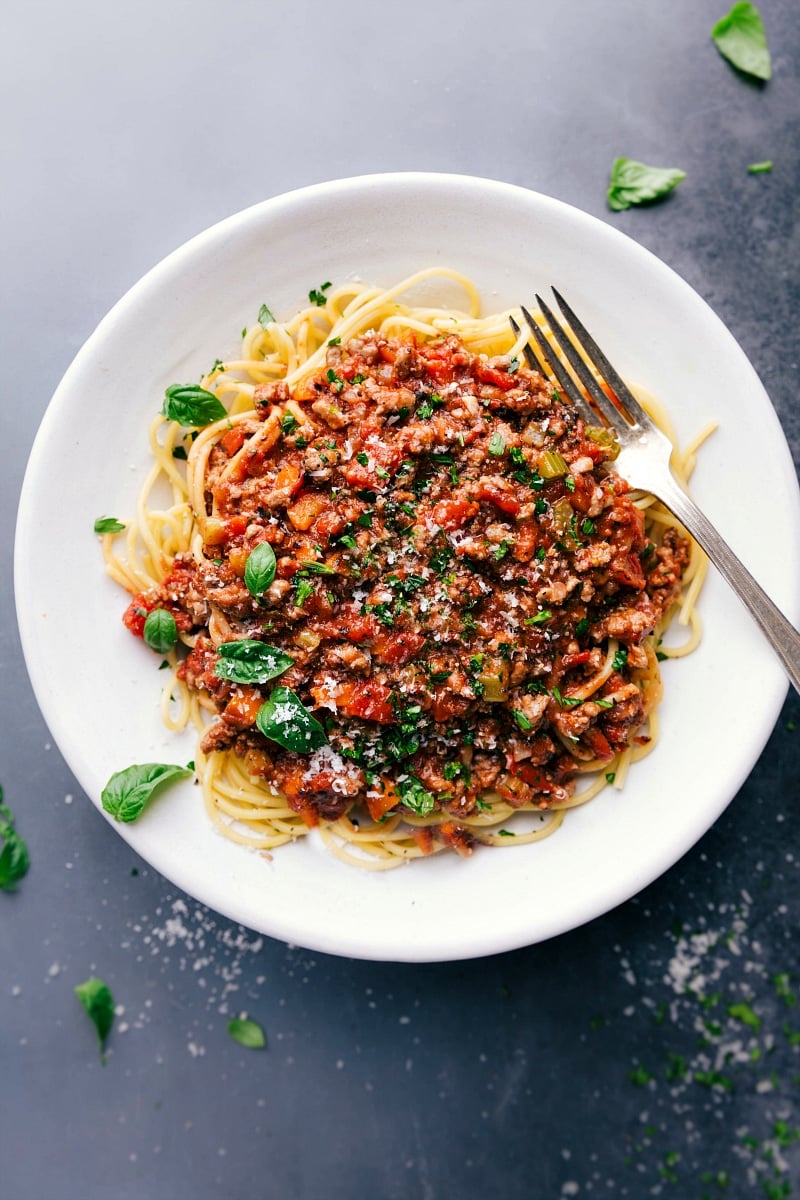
(413, 593)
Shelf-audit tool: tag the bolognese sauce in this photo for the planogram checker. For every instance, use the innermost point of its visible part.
(462, 593)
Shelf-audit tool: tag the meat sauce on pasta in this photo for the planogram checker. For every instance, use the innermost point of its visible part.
(459, 603)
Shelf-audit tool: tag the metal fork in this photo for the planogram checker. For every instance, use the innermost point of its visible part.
(644, 457)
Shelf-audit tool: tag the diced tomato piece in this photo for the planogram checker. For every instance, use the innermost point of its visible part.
(526, 541)
(598, 743)
(136, 614)
(500, 494)
(575, 660)
(534, 777)
(457, 837)
(306, 508)
(233, 440)
(367, 698)
(398, 647)
(382, 461)
(450, 514)
(379, 803)
(448, 704)
(235, 526)
(350, 624)
(486, 374)
(242, 709)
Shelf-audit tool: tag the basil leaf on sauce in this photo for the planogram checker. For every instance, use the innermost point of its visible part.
(108, 525)
(637, 183)
(739, 36)
(160, 631)
(259, 570)
(247, 1033)
(285, 720)
(191, 405)
(250, 661)
(128, 791)
(14, 857)
(98, 1003)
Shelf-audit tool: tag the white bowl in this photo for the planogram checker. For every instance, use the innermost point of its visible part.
(99, 692)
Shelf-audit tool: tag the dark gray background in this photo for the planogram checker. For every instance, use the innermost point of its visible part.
(614, 1061)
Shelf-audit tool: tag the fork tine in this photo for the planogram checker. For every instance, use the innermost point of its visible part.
(527, 349)
(618, 385)
(601, 401)
(564, 380)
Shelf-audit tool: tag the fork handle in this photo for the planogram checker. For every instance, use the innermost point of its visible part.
(782, 635)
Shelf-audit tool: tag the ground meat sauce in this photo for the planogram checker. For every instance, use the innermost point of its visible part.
(453, 555)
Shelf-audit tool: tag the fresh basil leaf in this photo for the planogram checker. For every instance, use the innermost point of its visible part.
(14, 857)
(497, 444)
(98, 1003)
(128, 791)
(284, 719)
(265, 317)
(247, 1033)
(739, 36)
(259, 570)
(160, 630)
(250, 662)
(637, 183)
(191, 405)
(108, 525)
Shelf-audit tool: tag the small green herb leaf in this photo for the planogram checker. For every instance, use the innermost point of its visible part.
(317, 295)
(247, 1033)
(760, 168)
(128, 791)
(540, 618)
(739, 36)
(637, 183)
(98, 1003)
(315, 568)
(497, 444)
(108, 525)
(284, 719)
(265, 317)
(250, 662)
(160, 630)
(191, 405)
(14, 857)
(259, 570)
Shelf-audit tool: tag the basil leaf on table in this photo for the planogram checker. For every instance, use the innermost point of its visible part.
(249, 661)
(259, 570)
(108, 525)
(760, 168)
(284, 719)
(191, 405)
(739, 36)
(98, 1003)
(637, 183)
(160, 631)
(14, 857)
(247, 1033)
(128, 791)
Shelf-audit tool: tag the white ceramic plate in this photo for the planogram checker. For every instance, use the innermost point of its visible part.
(98, 688)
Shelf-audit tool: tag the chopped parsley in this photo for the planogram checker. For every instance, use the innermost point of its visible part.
(317, 295)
